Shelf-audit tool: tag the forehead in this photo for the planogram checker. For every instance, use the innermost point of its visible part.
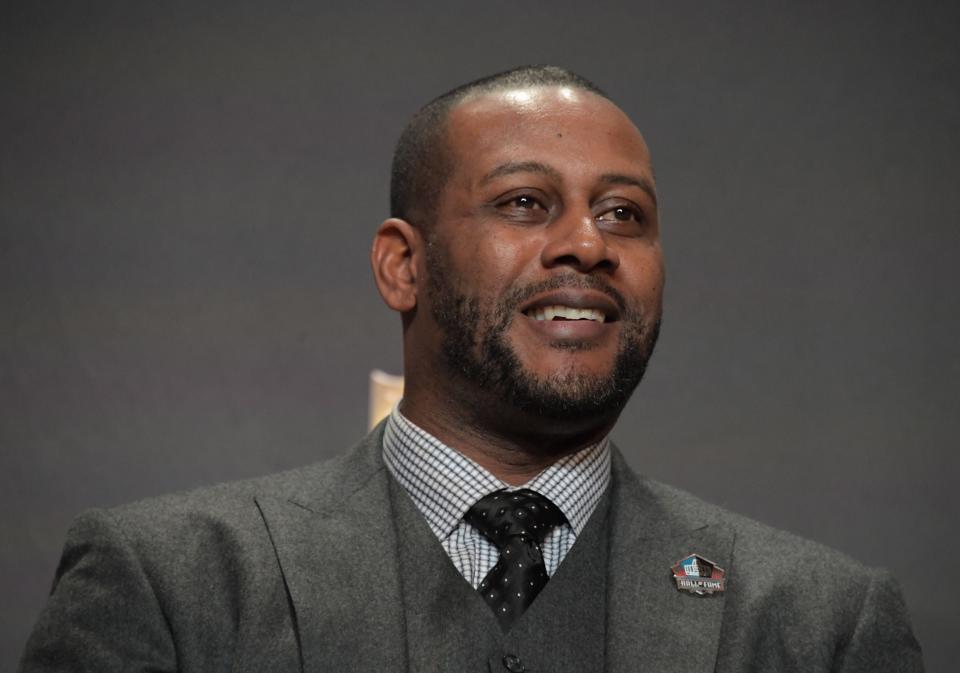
(578, 131)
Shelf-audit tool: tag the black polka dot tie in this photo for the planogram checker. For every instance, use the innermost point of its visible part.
(516, 522)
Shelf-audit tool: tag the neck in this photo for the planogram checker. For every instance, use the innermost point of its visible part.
(511, 446)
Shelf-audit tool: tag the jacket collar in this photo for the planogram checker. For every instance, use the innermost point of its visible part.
(336, 545)
(652, 626)
(337, 548)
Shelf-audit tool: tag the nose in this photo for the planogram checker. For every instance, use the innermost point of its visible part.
(578, 242)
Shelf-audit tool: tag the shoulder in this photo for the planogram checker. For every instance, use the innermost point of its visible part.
(185, 573)
(791, 599)
(770, 554)
(309, 485)
(766, 557)
(226, 519)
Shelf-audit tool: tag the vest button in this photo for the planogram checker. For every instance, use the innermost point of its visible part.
(513, 663)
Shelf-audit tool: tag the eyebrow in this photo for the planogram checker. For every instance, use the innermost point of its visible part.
(631, 180)
(513, 167)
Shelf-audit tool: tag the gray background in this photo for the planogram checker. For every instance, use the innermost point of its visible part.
(187, 194)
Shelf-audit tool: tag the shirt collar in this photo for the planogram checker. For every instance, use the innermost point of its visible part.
(444, 484)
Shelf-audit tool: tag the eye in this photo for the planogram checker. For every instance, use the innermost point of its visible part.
(624, 220)
(523, 207)
(524, 201)
(621, 214)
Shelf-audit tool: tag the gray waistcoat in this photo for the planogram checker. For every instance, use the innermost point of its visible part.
(451, 630)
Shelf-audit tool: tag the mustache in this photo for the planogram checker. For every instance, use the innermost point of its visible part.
(567, 280)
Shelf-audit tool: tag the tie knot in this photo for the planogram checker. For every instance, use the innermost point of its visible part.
(504, 514)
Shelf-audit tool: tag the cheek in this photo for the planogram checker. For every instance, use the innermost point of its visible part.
(645, 281)
(493, 263)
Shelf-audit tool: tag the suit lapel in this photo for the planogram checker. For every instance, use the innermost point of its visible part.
(652, 625)
(337, 550)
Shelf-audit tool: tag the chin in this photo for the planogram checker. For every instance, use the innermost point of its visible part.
(567, 395)
(564, 365)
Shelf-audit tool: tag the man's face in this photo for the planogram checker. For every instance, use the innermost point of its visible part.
(544, 266)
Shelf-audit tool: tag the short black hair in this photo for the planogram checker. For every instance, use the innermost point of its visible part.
(422, 162)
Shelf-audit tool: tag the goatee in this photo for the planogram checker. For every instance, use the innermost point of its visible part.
(475, 347)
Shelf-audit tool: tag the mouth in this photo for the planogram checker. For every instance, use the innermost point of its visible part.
(560, 312)
(572, 305)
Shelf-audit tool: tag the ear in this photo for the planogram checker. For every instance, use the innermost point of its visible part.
(396, 247)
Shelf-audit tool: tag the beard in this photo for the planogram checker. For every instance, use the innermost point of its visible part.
(475, 347)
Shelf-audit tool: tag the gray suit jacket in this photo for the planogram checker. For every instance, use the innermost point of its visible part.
(298, 571)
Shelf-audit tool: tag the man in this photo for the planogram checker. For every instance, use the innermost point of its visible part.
(487, 524)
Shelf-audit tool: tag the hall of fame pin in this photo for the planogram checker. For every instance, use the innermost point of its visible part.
(699, 576)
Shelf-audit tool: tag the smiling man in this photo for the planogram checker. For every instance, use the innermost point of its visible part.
(531, 283)
(488, 523)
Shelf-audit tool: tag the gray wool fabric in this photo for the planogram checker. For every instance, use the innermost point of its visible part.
(451, 628)
(320, 569)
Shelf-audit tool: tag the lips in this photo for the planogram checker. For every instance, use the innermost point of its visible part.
(572, 304)
(566, 313)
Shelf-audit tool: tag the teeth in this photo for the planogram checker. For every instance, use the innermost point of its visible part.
(568, 312)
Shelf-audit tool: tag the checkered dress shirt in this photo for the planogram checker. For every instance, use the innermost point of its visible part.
(444, 484)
